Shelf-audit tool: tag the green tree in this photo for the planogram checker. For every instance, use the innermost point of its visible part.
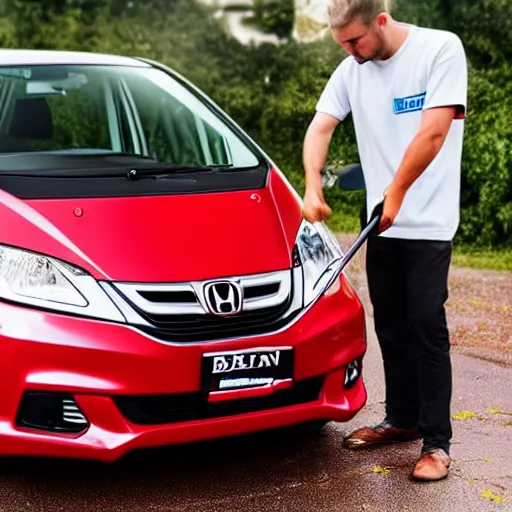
(274, 16)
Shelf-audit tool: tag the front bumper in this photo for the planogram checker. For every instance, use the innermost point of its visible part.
(98, 363)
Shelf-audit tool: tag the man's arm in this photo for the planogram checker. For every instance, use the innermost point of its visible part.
(445, 101)
(316, 148)
(333, 107)
(425, 146)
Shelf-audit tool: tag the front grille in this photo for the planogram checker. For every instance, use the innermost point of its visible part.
(182, 312)
(195, 328)
(166, 409)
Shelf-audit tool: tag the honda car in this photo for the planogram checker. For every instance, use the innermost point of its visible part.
(158, 283)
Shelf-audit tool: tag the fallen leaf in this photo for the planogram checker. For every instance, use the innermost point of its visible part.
(493, 410)
(487, 459)
(464, 415)
(384, 471)
(489, 495)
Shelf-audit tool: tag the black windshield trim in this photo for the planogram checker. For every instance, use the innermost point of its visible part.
(44, 187)
(129, 171)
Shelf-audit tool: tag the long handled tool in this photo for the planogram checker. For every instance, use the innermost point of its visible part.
(370, 229)
(351, 177)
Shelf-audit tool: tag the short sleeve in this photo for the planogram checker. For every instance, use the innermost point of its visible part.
(334, 99)
(448, 80)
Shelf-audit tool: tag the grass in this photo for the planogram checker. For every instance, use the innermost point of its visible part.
(463, 256)
(342, 223)
(483, 259)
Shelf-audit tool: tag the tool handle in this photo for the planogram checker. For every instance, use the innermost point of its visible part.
(375, 218)
(371, 229)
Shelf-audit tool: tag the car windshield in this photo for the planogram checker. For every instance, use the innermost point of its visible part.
(66, 117)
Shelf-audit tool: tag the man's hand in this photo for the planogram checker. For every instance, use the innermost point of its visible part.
(392, 205)
(315, 209)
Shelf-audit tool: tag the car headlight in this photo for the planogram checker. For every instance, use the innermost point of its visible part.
(319, 255)
(41, 281)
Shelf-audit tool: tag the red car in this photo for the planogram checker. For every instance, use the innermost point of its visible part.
(158, 283)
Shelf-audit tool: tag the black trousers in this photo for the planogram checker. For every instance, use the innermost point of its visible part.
(408, 284)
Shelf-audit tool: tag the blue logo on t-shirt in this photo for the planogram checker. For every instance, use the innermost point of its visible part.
(409, 103)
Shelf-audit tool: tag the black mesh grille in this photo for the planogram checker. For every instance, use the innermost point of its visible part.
(163, 409)
(193, 328)
(196, 328)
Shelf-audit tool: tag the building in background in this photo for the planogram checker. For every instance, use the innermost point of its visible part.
(311, 21)
(233, 13)
(309, 24)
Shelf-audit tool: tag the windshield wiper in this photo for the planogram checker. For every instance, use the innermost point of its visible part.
(100, 169)
(162, 171)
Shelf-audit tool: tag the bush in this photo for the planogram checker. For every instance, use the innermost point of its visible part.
(274, 16)
(486, 217)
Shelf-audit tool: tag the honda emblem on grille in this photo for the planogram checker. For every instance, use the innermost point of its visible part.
(224, 298)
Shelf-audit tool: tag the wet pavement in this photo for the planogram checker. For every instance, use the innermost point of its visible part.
(289, 471)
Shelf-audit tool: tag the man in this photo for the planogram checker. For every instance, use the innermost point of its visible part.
(406, 88)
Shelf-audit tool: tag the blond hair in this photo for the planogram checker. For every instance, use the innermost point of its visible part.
(344, 12)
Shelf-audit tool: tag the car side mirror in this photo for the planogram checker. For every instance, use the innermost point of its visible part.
(351, 177)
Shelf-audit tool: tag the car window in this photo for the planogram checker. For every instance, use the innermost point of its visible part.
(74, 110)
(172, 131)
(36, 118)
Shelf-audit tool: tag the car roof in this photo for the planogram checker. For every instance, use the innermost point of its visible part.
(11, 57)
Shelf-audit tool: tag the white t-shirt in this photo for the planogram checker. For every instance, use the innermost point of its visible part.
(386, 99)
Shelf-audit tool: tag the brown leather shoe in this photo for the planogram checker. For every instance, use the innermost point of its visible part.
(432, 465)
(378, 435)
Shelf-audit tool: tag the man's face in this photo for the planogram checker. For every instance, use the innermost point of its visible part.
(363, 42)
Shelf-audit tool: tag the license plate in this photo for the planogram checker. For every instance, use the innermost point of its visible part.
(254, 368)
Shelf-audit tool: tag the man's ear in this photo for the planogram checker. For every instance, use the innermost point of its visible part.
(382, 19)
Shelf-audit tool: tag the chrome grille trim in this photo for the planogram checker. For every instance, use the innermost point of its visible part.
(130, 315)
(131, 292)
(290, 308)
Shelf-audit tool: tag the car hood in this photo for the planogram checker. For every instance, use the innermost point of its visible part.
(162, 238)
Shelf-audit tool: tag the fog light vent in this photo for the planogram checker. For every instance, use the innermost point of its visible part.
(352, 373)
(51, 412)
(71, 412)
